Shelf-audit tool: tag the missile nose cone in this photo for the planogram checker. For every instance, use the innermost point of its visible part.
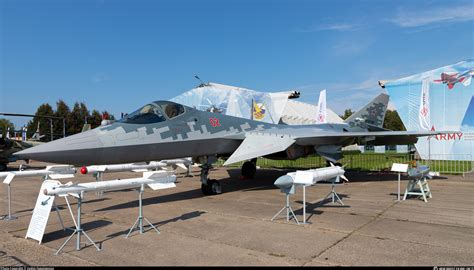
(284, 181)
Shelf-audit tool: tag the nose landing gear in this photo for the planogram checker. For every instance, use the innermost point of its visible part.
(209, 186)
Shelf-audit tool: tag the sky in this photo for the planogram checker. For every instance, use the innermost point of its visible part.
(118, 55)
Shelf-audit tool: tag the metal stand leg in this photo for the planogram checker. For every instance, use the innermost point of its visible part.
(59, 216)
(98, 177)
(188, 171)
(139, 222)
(289, 211)
(398, 194)
(333, 195)
(78, 230)
(9, 216)
(304, 207)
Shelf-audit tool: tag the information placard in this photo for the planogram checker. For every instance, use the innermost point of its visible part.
(399, 167)
(40, 216)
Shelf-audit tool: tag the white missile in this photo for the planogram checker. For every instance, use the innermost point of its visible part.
(154, 179)
(136, 167)
(53, 172)
(309, 177)
(183, 163)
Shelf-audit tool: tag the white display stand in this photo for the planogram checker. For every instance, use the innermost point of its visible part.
(418, 187)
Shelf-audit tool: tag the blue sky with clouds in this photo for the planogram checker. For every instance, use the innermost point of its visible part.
(117, 55)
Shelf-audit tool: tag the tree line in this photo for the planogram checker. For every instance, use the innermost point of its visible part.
(74, 119)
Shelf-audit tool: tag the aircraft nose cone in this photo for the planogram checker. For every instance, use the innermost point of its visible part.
(74, 149)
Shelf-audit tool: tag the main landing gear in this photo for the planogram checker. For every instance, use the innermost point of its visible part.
(249, 168)
(209, 186)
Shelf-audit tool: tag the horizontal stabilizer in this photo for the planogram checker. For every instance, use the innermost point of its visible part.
(257, 145)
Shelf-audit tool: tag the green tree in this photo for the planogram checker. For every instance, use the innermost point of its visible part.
(392, 121)
(95, 119)
(62, 110)
(4, 125)
(347, 113)
(44, 124)
(78, 117)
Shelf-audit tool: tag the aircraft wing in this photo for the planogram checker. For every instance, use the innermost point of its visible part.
(376, 134)
(257, 145)
(262, 144)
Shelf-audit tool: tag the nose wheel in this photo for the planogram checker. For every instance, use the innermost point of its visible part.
(209, 186)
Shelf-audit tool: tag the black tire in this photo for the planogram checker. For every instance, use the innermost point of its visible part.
(3, 167)
(213, 187)
(248, 170)
(205, 189)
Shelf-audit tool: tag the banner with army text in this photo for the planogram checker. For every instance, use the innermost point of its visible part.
(441, 99)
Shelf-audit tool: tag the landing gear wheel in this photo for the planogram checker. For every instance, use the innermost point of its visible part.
(205, 189)
(213, 187)
(248, 170)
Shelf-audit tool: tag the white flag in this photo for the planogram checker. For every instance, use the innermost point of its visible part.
(321, 117)
(424, 113)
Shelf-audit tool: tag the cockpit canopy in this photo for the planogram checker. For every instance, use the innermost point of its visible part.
(154, 112)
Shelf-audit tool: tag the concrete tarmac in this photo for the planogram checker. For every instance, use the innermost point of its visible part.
(235, 228)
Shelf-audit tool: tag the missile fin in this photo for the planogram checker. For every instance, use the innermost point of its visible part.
(101, 168)
(157, 186)
(344, 178)
(60, 176)
(140, 170)
(181, 165)
(9, 178)
(76, 195)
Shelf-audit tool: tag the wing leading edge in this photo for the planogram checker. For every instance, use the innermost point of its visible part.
(261, 144)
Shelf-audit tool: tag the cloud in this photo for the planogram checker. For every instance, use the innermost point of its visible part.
(430, 16)
(341, 27)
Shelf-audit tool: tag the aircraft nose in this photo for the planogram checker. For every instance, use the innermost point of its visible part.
(80, 147)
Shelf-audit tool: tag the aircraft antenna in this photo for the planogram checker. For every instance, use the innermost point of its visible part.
(202, 83)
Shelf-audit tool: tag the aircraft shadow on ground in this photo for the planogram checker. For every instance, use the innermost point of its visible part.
(229, 184)
(264, 180)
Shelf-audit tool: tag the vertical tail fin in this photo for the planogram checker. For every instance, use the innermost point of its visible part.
(371, 114)
(321, 117)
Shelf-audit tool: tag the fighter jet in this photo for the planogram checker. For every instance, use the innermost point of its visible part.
(9, 146)
(452, 79)
(166, 130)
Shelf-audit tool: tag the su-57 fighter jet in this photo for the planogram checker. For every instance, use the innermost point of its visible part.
(166, 130)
